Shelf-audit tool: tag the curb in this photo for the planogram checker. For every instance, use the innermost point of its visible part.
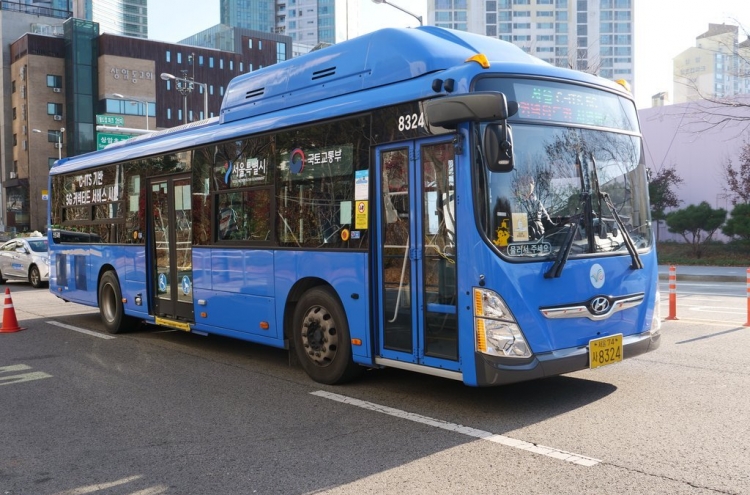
(704, 278)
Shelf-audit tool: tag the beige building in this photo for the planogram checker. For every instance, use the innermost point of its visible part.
(718, 66)
(36, 97)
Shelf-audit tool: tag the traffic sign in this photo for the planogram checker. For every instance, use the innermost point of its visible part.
(104, 138)
(114, 120)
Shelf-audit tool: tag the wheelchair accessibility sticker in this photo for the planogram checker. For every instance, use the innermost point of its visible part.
(185, 285)
(162, 282)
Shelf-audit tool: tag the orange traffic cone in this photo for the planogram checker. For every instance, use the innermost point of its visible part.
(10, 323)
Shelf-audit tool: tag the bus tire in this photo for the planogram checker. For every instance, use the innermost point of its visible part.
(321, 337)
(111, 309)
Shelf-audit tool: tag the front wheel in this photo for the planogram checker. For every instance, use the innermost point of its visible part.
(35, 278)
(321, 338)
(110, 305)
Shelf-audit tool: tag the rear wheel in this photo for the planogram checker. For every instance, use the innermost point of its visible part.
(111, 309)
(321, 338)
(34, 277)
(2, 279)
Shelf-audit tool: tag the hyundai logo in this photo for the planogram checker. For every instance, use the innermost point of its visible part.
(599, 305)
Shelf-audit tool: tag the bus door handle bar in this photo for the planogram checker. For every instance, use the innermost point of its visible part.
(401, 282)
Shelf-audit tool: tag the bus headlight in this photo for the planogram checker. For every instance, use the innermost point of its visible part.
(496, 330)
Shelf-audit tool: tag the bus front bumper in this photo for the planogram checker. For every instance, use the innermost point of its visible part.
(493, 370)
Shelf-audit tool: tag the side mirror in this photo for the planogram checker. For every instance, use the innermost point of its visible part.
(482, 106)
(498, 147)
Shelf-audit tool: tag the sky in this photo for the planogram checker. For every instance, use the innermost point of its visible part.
(663, 29)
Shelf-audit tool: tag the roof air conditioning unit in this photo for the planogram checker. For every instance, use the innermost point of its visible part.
(58, 145)
(12, 175)
(57, 90)
(58, 117)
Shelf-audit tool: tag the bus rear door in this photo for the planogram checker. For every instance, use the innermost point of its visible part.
(417, 298)
(170, 238)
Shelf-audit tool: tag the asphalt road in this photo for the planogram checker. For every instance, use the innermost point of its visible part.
(154, 412)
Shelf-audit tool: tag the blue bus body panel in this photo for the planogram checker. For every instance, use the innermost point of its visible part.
(75, 269)
(234, 289)
(239, 289)
(346, 272)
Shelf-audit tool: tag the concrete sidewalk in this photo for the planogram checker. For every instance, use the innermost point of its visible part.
(706, 273)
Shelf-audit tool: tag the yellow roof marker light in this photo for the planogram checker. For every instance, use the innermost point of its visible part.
(624, 84)
(481, 59)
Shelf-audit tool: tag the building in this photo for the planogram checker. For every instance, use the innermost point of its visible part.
(591, 35)
(68, 93)
(309, 22)
(124, 17)
(262, 48)
(718, 66)
(16, 19)
(660, 99)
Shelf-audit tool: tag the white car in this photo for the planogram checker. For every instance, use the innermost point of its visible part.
(25, 258)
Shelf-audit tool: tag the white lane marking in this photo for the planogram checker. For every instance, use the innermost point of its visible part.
(24, 377)
(716, 309)
(465, 430)
(81, 330)
(82, 490)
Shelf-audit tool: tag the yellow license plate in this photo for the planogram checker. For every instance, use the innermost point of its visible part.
(604, 351)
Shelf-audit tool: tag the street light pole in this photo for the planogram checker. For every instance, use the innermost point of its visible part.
(135, 100)
(59, 140)
(417, 17)
(185, 87)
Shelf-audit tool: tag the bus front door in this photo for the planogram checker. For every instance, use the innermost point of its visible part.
(417, 254)
(171, 252)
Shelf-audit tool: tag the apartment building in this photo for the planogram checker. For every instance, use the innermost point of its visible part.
(591, 35)
(717, 67)
(123, 17)
(308, 22)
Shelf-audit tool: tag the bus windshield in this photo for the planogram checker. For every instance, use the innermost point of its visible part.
(568, 188)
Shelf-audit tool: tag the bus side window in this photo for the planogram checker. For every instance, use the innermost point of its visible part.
(227, 220)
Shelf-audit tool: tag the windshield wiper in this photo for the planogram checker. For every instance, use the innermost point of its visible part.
(637, 263)
(562, 256)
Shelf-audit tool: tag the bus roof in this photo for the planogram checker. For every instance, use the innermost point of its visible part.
(344, 70)
(376, 59)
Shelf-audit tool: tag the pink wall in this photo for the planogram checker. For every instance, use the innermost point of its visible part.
(692, 137)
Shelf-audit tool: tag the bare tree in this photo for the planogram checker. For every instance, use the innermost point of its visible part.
(738, 179)
(661, 190)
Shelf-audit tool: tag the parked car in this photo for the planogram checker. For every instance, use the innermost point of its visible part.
(25, 258)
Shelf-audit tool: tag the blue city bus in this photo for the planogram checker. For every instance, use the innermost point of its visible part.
(422, 199)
